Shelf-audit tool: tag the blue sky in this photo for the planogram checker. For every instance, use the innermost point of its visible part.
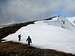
(12, 11)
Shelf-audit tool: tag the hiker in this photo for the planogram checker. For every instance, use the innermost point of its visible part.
(63, 22)
(19, 37)
(29, 40)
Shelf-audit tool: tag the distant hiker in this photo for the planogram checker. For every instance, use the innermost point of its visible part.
(29, 40)
(19, 37)
(63, 22)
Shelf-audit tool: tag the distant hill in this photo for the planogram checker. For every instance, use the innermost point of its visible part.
(4, 31)
(12, 28)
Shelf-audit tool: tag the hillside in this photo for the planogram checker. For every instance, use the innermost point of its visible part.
(5, 31)
(23, 50)
(38, 30)
(12, 28)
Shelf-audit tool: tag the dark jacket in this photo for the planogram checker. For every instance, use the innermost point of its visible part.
(29, 39)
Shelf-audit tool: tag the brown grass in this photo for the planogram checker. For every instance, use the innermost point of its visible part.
(18, 49)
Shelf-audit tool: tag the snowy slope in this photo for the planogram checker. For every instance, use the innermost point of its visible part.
(46, 36)
(71, 19)
(58, 22)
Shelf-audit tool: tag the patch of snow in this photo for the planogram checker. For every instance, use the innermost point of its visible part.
(63, 22)
(71, 19)
(46, 36)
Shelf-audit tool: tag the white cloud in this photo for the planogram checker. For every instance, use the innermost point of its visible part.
(69, 7)
(31, 8)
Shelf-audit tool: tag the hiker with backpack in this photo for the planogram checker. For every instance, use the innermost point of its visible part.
(29, 40)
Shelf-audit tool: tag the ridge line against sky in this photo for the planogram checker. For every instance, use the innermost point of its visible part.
(12, 11)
